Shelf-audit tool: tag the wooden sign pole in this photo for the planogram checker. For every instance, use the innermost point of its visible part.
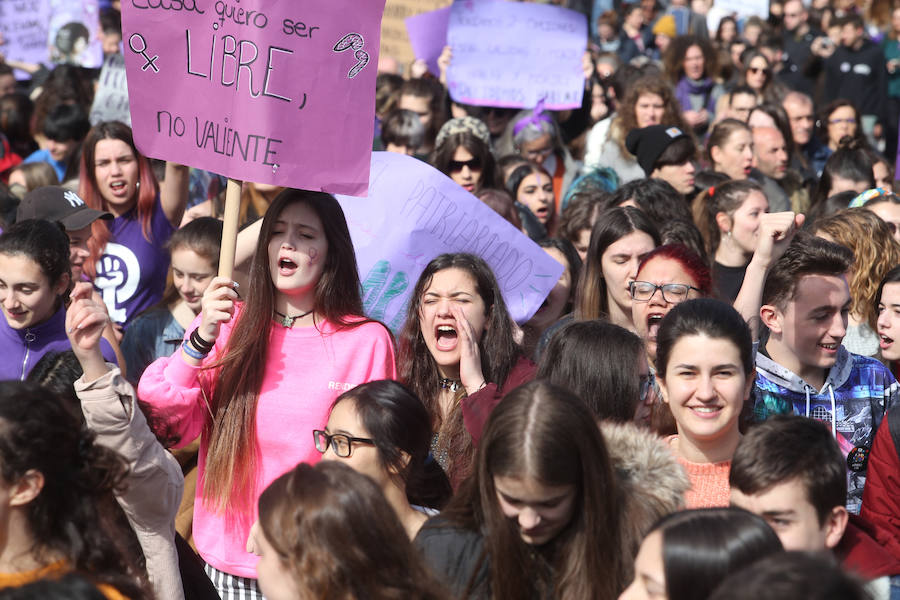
(230, 228)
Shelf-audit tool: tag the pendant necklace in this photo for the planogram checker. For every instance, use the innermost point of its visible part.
(287, 321)
(450, 384)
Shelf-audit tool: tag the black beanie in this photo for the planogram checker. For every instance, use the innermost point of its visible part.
(649, 143)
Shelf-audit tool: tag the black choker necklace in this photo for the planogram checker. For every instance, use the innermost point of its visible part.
(287, 321)
(450, 384)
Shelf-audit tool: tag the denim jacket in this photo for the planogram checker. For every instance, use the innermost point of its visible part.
(152, 335)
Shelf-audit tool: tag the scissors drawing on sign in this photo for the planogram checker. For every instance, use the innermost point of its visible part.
(138, 45)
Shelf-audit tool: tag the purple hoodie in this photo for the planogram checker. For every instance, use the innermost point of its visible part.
(21, 349)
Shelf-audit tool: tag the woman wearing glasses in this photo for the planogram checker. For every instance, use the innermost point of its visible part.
(757, 73)
(463, 154)
(705, 370)
(672, 274)
(838, 120)
(252, 376)
(536, 136)
(382, 430)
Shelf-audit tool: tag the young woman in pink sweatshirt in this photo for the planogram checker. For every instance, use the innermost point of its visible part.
(257, 376)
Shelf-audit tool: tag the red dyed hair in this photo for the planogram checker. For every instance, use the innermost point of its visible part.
(89, 191)
(689, 261)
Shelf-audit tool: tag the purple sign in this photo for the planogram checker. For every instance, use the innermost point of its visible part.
(73, 33)
(414, 213)
(272, 91)
(513, 54)
(428, 36)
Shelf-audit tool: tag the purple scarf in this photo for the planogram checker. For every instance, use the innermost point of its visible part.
(688, 87)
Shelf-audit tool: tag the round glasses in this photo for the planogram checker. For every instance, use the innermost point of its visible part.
(673, 293)
(341, 444)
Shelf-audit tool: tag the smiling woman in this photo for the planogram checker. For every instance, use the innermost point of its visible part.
(34, 283)
(705, 369)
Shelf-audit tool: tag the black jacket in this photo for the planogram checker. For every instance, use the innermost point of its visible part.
(858, 76)
(454, 556)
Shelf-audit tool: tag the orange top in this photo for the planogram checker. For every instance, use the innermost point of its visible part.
(709, 482)
(52, 571)
(558, 177)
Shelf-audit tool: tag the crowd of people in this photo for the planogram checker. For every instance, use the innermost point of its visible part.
(702, 408)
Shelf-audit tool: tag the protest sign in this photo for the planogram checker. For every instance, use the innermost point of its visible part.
(111, 98)
(23, 24)
(743, 8)
(414, 213)
(512, 54)
(394, 39)
(428, 36)
(271, 92)
(51, 31)
(72, 35)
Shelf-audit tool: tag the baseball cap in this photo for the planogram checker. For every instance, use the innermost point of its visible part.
(56, 203)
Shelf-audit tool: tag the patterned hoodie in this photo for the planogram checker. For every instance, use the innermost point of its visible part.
(857, 392)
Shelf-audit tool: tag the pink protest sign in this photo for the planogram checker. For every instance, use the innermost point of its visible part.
(269, 91)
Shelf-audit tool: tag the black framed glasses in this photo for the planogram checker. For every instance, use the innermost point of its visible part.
(457, 165)
(673, 293)
(341, 444)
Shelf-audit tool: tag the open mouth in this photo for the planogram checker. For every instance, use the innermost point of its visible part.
(542, 213)
(117, 186)
(886, 342)
(653, 322)
(286, 266)
(829, 347)
(445, 338)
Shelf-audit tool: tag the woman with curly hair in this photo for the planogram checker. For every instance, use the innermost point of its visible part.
(649, 101)
(692, 67)
(876, 252)
(52, 477)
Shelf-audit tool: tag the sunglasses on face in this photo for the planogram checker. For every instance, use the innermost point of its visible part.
(758, 70)
(457, 165)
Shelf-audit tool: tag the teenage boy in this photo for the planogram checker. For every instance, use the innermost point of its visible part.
(803, 369)
(790, 471)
